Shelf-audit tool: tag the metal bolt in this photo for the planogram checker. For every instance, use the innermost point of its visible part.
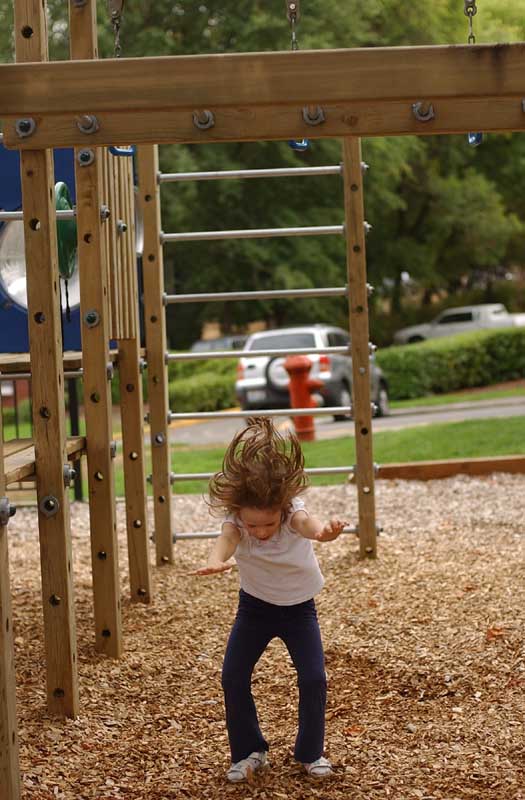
(364, 167)
(106, 633)
(58, 693)
(137, 523)
(86, 157)
(121, 226)
(69, 475)
(110, 371)
(203, 119)
(7, 510)
(44, 412)
(159, 439)
(105, 213)
(141, 592)
(92, 318)
(369, 549)
(165, 559)
(112, 449)
(88, 123)
(55, 600)
(133, 455)
(362, 371)
(25, 127)
(49, 506)
(102, 555)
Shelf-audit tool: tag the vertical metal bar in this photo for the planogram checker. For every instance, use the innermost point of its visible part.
(358, 305)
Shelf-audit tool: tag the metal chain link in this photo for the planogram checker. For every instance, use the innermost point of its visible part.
(292, 14)
(115, 9)
(470, 11)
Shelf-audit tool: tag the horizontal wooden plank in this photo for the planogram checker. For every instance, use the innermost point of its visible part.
(256, 124)
(434, 470)
(262, 79)
(14, 363)
(19, 463)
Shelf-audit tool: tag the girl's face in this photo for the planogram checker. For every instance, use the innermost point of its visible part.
(261, 523)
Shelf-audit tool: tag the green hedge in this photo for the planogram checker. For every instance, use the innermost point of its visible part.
(206, 391)
(456, 362)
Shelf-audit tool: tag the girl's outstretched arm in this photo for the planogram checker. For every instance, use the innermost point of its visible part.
(313, 528)
(219, 559)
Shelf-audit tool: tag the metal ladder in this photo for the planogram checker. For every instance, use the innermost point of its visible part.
(351, 169)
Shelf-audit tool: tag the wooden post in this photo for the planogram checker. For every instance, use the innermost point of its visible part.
(155, 324)
(131, 405)
(358, 305)
(9, 767)
(45, 340)
(97, 371)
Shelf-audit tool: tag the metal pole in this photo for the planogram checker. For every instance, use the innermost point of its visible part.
(293, 351)
(296, 412)
(281, 172)
(255, 233)
(13, 216)
(276, 294)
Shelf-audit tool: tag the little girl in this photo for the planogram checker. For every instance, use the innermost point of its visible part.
(269, 531)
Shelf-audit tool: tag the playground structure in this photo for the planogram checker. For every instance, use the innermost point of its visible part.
(344, 94)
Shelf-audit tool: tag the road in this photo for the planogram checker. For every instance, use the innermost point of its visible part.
(219, 432)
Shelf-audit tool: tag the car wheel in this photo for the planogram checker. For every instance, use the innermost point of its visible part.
(343, 398)
(415, 339)
(383, 404)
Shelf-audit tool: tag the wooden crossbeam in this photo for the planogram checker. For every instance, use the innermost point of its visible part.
(20, 457)
(435, 470)
(368, 91)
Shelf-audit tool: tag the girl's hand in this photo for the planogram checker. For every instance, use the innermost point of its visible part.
(331, 531)
(214, 567)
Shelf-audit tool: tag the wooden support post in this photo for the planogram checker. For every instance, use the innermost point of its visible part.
(131, 405)
(155, 324)
(9, 766)
(45, 340)
(97, 371)
(358, 305)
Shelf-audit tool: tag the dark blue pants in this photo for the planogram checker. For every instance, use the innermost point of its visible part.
(256, 624)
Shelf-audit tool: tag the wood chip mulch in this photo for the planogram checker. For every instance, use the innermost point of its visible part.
(424, 649)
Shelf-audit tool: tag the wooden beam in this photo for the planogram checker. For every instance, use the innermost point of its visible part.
(436, 470)
(359, 333)
(155, 325)
(95, 329)
(248, 123)
(364, 92)
(45, 342)
(9, 763)
(19, 462)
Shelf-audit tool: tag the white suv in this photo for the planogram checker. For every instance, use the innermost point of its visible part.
(262, 381)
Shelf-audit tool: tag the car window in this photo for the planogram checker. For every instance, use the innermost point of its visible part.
(338, 339)
(498, 311)
(460, 316)
(283, 341)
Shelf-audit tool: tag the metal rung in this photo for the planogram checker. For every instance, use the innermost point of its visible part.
(215, 534)
(336, 291)
(255, 233)
(13, 216)
(281, 172)
(205, 476)
(289, 412)
(297, 351)
(27, 376)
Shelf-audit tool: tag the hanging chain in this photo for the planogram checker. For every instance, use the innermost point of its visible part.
(292, 13)
(471, 10)
(115, 9)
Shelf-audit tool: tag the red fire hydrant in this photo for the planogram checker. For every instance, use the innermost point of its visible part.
(301, 388)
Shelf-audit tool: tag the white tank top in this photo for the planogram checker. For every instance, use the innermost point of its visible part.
(283, 569)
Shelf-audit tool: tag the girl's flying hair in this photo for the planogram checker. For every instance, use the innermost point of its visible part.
(260, 469)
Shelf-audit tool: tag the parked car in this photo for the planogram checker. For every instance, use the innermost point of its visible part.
(221, 343)
(460, 320)
(262, 381)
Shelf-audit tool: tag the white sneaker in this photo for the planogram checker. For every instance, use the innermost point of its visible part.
(320, 768)
(243, 770)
